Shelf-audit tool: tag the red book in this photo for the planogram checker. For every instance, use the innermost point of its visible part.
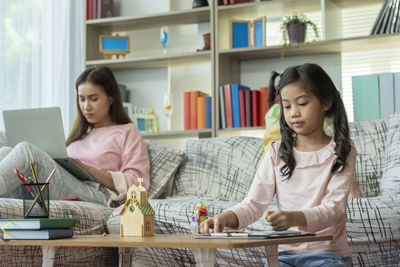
(193, 109)
(247, 104)
(239, 1)
(228, 106)
(242, 108)
(89, 8)
(263, 104)
(255, 105)
(201, 112)
(186, 110)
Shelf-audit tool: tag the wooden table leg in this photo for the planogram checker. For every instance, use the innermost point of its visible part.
(125, 257)
(48, 256)
(272, 255)
(205, 257)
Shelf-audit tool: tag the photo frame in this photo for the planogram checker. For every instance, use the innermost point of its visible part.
(114, 45)
(240, 33)
(259, 32)
(138, 118)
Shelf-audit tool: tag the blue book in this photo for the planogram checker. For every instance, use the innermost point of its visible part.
(366, 97)
(235, 87)
(222, 106)
(208, 112)
(397, 91)
(38, 234)
(386, 89)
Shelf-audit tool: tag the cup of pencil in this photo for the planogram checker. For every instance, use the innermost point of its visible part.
(35, 198)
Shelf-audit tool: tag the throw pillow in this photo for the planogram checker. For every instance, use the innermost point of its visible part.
(220, 168)
(3, 140)
(390, 181)
(369, 138)
(164, 162)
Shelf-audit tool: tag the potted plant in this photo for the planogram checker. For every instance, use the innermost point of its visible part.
(294, 29)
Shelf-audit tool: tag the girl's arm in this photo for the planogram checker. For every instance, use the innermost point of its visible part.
(219, 222)
(102, 177)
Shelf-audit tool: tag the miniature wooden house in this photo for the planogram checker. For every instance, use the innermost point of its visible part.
(137, 216)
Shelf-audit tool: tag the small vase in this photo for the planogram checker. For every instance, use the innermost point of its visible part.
(297, 33)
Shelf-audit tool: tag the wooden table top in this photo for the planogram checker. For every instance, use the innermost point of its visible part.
(162, 241)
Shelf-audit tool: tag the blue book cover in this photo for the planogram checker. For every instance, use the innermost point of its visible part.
(222, 106)
(366, 97)
(397, 92)
(38, 234)
(235, 87)
(386, 89)
(208, 112)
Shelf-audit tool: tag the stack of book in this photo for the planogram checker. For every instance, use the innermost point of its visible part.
(196, 110)
(97, 9)
(37, 228)
(242, 107)
(388, 20)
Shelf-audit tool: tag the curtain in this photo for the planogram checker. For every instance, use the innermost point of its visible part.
(41, 54)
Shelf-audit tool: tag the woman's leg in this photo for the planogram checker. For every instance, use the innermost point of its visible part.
(63, 183)
(314, 259)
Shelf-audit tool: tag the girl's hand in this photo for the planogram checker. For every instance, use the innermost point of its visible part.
(281, 220)
(219, 222)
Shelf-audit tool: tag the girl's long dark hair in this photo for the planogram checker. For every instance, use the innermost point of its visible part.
(318, 82)
(103, 77)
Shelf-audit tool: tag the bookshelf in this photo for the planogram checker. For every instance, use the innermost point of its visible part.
(341, 35)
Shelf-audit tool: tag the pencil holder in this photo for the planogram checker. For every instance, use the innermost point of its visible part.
(35, 199)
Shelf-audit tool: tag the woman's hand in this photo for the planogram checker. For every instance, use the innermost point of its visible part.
(281, 220)
(219, 222)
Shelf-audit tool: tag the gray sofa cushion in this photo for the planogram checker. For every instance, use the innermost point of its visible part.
(164, 162)
(221, 168)
(369, 138)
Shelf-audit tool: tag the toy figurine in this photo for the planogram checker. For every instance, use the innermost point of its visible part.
(137, 216)
(199, 216)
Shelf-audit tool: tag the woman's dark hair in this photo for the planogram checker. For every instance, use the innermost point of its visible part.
(318, 82)
(103, 77)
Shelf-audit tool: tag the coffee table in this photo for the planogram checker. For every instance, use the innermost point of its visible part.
(204, 250)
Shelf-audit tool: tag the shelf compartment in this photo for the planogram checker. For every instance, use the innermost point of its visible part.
(204, 133)
(153, 62)
(320, 47)
(126, 23)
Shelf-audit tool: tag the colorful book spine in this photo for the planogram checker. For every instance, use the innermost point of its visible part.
(193, 109)
(255, 105)
(201, 113)
(386, 90)
(186, 111)
(228, 106)
(242, 108)
(89, 8)
(235, 87)
(366, 97)
(222, 106)
(247, 104)
(263, 104)
(208, 111)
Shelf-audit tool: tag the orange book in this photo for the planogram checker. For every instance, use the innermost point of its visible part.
(186, 111)
(228, 106)
(193, 108)
(201, 112)
(263, 104)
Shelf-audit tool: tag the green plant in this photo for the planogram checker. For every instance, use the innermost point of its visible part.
(296, 19)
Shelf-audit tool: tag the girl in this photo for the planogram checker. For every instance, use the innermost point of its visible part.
(103, 141)
(309, 172)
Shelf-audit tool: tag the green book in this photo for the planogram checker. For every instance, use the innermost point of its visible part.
(366, 97)
(37, 223)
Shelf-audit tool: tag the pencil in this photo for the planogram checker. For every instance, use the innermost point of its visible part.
(38, 188)
(41, 189)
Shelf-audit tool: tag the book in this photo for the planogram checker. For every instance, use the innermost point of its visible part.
(242, 108)
(186, 111)
(89, 8)
(247, 104)
(222, 106)
(366, 97)
(379, 18)
(263, 104)
(228, 106)
(201, 112)
(396, 91)
(193, 109)
(255, 108)
(37, 223)
(261, 235)
(106, 8)
(208, 112)
(386, 90)
(235, 87)
(38, 234)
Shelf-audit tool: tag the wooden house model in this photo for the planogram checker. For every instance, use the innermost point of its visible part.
(137, 216)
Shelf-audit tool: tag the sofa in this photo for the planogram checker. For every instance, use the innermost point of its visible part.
(219, 171)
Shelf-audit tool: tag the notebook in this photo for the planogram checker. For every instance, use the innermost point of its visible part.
(43, 128)
(251, 235)
(37, 223)
(39, 234)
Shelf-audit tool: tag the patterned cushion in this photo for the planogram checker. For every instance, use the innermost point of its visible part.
(220, 168)
(369, 138)
(390, 181)
(164, 162)
(3, 140)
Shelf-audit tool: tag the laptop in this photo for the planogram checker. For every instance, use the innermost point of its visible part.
(43, 128)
